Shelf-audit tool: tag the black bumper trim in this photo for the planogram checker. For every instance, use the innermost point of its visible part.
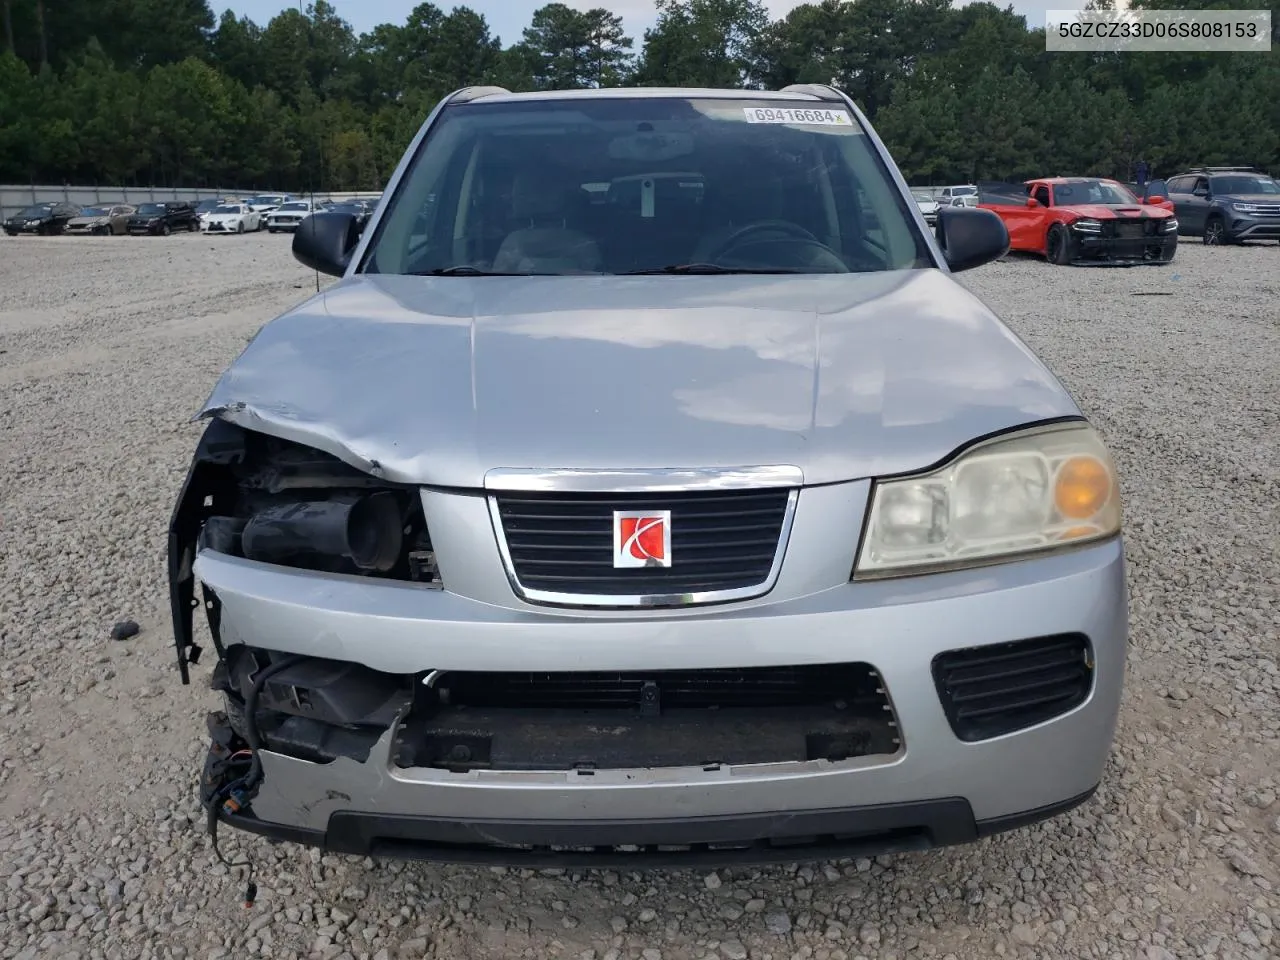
(758, 838)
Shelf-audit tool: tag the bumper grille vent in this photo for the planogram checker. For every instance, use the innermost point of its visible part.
(990, 691)
(849, 683)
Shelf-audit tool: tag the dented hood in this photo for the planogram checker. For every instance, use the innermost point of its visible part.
(437, 380)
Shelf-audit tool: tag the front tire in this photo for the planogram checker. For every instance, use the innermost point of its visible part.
(240, 227)
(1215, 232)
(164, 230)
(1058, 245)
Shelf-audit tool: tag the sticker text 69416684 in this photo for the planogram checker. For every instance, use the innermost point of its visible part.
(819, 117)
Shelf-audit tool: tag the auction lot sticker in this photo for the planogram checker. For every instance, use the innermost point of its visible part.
(812, 116)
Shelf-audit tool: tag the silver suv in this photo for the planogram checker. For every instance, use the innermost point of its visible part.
(647, 487)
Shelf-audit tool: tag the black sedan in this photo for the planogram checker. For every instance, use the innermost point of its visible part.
(46, 219)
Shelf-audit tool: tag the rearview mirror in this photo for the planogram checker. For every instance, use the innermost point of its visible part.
(325, 242)
(971, 236)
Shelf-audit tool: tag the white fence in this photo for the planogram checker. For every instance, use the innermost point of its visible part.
(15, 197)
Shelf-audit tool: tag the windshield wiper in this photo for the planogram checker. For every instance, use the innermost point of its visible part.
(705, 268)
(466, 270)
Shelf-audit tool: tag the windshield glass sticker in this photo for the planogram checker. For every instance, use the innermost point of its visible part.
(821, 118)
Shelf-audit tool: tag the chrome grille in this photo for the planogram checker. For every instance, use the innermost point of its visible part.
(725, 545)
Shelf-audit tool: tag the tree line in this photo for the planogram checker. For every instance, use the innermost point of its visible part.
(163, 93)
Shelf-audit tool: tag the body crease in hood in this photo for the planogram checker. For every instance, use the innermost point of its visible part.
(435, 381)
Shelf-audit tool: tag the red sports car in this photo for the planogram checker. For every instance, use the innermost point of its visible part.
(1083, 219)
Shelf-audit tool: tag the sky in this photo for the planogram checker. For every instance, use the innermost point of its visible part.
(508, 18)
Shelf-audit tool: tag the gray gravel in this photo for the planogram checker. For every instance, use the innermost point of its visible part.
(107, 346)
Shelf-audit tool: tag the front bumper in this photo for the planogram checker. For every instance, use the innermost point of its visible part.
(935, 789)
(1254, 228)
(290, 224)
(1154, 249)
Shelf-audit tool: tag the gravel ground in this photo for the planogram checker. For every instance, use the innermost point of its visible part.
(107, 346)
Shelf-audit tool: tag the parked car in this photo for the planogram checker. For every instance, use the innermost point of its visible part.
(1224, 205)
(102, 220)
(207, 206)
(947, 194)
(163, 217)
(358, 208)
(289, 214)
(1081, 220)
(45, 219)
(264, 203)
(967, 200)
(649, 527)
(928, 206)
(232, 218)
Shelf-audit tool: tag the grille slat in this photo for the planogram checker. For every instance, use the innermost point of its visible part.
(721, 541)
(990, 691)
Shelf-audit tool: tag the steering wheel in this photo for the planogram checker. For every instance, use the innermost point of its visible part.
(735, 239)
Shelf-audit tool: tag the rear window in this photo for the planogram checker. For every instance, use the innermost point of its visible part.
(616, 186)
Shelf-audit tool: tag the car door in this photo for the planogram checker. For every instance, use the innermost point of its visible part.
(1197, 207)
(1026, 223)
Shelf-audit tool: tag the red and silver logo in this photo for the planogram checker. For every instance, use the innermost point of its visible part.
(641, 539)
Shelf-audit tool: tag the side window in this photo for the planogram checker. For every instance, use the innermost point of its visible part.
(1042, 194)
(1202, 185)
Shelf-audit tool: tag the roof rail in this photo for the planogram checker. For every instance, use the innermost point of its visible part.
(820, 90)
(1223, 170)
(469, 94)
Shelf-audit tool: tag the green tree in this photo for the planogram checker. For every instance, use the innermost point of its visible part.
(705, 43)
(573, 49)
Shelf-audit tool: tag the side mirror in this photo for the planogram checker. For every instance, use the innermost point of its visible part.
(1032, 202)
(325, 241)
(971, 236)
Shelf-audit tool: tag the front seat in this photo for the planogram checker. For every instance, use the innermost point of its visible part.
(544, 243)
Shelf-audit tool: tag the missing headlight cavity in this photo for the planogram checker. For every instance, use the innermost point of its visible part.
(284, 503)
(666, 718)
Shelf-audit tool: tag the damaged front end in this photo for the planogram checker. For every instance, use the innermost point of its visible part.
(273, 501)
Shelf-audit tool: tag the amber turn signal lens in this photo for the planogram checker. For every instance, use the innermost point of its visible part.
(1082, 488)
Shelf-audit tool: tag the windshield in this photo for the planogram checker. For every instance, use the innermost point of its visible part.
(300, 205)
(1091, 191)
(151, 209)
(229, 208)
(1245, 185)
(95, 212)
(646, 185)
(204, 206)
(964, 191)
(41, 211)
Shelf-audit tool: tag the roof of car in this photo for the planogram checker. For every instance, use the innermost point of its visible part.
(498, 95)
(1070, 180)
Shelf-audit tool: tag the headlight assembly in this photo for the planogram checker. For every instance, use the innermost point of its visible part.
(1245, 207)
(1087, 226)
(1037, 490)
(1171, 225)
